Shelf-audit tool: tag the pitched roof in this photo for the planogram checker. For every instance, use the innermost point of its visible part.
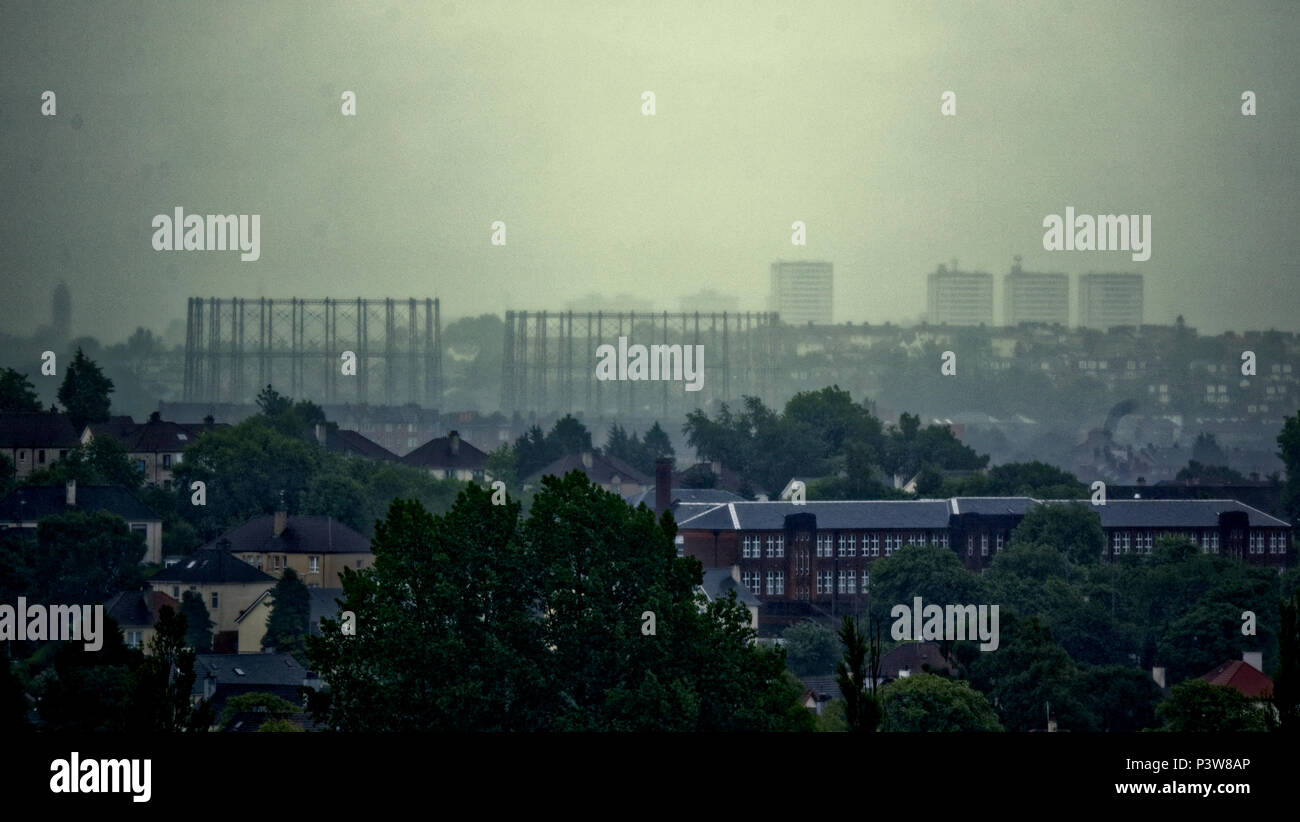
(822, 687)
(346, 441)
(684, 495)
(912, 657)
(48, 501)
(718, 581)
(770, 516)
(301, 535)
(153, 436)
(602, 470)
(436, 453)
(212, 566)
(248, 669)
(1243, 677)
(1175, 513)
(138, 608)
(37, 429)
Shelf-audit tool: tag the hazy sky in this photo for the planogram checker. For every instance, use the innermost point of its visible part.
(530, 113)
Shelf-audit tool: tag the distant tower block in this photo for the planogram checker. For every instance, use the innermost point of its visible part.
(235, 347)
(62, 311)
(1030, 297)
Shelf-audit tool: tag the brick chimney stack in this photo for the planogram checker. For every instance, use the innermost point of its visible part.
(663, 484)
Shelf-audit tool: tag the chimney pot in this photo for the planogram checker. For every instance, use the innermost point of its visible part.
(71, 492)
(663, 484)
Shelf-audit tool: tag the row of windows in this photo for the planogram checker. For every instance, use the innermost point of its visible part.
(753, 580)
(828, 582)
(40, 455)
(1142, 542)
(1276, 542)
(999, 539)
(844, 545)
(280, 562)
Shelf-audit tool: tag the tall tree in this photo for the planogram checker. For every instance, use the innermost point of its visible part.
(198, 631)
(85, 392)
(853, 674)
(1289, 441)
(163, 682)
(288, 624)
(810, 649)
(1196, 706)
(932, 703)
(76, 557)
(17, 392)
(1286, 679)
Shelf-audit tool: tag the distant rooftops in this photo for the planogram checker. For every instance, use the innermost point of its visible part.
(30, 504)
(211, 566)
(299, 535)
(37, 429)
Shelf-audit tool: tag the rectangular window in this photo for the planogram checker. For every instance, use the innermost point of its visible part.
(780, 582)
(214, 600)
(275, 562)
(771, 582)
(970, 545)
(1274, 542)
(984, 544)
(999, 543)
(40, 456)
(133, 639)
(139, 466)
(313, 565)
(140, 529)
(744, 547)
(875, 545)
(176, 592)
(1124, 541)
(943, 539)
(167, 460)
(1214, 542)
(866, 581)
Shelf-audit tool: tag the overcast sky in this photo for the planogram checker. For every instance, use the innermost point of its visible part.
(530, 113)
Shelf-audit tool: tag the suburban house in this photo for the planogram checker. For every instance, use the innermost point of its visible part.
(35, 440)
(1245, 675)
(610, 473)
(351, 444)
(719, 581)
(218, 677)
(813, 559)
(450, 457)
(227, 584)
(252, 623)
(25, 507)
(136, 613)
(316, 547)
(154, 447)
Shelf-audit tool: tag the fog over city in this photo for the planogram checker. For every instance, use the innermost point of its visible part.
(531, 114)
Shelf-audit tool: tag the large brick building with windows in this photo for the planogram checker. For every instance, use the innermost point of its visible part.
(814, 559)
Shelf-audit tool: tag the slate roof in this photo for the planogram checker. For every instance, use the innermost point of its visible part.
(1176, 513)
(50, 501)
(301, 535)
(436, 453)
(345, 441)
(770, 516)
(685, 495)
(933, 514)
(718, 581)
(138, 608)
(602, 471)
(208, 566)
(1243, 677)
(822, 687)
(154, 436)
(912, 657)
(248, 669)
(37, 429)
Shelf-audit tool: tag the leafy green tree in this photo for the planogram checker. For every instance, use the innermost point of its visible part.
(1196, 706)
(810, 649)
(1123, 697)
(161, 685)
(476, 620)
(1034, 479)
(76, 557)
(102, 461)
(259, 701)
(17, 392)
(657, 444)
(1289, 442)
(501, 465)
(1072, 528)
(1028, 673)
(85, 391)
(288, 624)
(8, 476)
(569, 436)
(1209, 474)
(279, 725)
(930, 703)
(928, 571)
(856, 677)
(1286, 679)
(334, 494)
(832, 717)
(1206, 450)
(198, 633)
(84, 691)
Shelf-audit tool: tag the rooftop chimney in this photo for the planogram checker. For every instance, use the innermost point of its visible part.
(155, 417)
(663, 484)
(1254, 659)
(209, 420)
(453, 443)
(72, 492)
